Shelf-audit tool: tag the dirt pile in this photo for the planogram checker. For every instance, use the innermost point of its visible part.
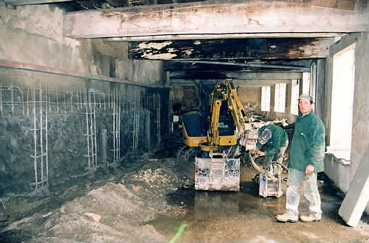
(115, 212)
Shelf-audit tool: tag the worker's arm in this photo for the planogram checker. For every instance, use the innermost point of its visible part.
(316, 150)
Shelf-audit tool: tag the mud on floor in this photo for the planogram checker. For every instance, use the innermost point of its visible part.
(154, 201)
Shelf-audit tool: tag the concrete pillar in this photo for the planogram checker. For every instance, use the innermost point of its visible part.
(357, 197)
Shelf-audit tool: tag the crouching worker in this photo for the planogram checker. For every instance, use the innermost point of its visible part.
(272, 143)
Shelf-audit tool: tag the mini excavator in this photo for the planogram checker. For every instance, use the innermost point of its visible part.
(218, 133)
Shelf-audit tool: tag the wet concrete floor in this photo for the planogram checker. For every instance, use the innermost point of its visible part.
(246, 217)
(194, 216)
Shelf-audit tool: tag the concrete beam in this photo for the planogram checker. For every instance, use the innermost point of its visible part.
(237, 82)
(267, 76)
(43, 69)
(214, 19)
(250, 64)
(245, 75)
(30, 2)
(222, 36)
(357, 196)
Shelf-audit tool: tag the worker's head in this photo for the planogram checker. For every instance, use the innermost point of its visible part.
(265, 135)
(305, 104)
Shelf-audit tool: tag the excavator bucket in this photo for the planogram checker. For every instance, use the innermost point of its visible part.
(217, 174)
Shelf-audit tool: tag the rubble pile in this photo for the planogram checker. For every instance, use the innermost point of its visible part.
(115, 212)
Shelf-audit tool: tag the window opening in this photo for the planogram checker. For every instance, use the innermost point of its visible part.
(280, 97)
(265, 98)
(342, 102)
(295, 96)
(305, 83)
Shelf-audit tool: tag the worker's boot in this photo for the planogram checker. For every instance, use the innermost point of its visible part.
(287, 217)
(312, 217)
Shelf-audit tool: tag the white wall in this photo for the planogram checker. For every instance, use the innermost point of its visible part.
(339, 171)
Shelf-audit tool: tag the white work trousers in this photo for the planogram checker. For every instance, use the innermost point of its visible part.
(311, 192)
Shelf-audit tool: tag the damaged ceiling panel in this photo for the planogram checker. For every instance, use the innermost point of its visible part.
(219, 59)
(235, 49)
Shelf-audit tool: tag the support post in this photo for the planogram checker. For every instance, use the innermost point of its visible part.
(357, 197)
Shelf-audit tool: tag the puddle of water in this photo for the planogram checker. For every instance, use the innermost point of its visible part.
(213, 216)
(206, 207)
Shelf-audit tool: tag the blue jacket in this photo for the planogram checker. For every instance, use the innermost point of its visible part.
(308, 143)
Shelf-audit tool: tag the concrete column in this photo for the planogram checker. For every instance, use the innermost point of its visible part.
(357, 197)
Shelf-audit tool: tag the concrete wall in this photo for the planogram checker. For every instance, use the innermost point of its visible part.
(272, 115)
(339, 171)
(33, 34)
(70, 108)
(251, 97)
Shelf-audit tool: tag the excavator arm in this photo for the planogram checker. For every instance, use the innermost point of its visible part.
(219, 95)
(236, 107)
(213, 132)
(224, 91)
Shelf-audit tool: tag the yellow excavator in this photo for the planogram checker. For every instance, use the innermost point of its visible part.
(219, 132)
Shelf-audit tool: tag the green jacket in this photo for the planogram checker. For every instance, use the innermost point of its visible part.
(308, 143)
(279, 139)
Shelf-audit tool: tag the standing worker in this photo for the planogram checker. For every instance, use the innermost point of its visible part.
(306, 160)
(272, 143)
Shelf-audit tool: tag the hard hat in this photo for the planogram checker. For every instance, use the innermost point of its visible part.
(306, 97)
(266, 134)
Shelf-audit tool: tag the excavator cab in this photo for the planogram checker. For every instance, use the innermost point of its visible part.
(196, 125)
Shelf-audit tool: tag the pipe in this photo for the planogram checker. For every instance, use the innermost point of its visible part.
(62, 72)
(180, 231)
(260, 170)
(247, 65)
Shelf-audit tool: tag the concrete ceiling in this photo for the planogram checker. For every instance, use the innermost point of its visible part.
(207, 40)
